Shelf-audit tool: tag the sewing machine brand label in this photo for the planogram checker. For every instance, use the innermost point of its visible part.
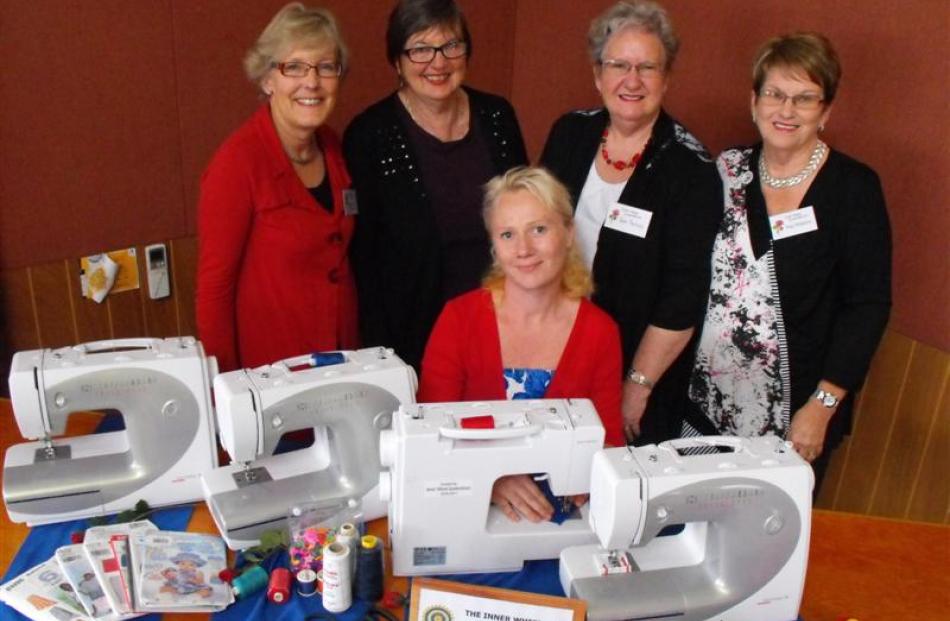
(428, 556)
(447, 487)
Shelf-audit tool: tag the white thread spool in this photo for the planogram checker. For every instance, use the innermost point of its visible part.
(337, 583)
(350, 536)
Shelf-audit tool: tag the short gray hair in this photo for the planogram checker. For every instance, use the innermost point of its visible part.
(638, 14)
(294, 24)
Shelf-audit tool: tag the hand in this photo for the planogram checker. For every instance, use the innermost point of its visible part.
(808, 428)
(518, 496)
(633, 405)
(580, 500)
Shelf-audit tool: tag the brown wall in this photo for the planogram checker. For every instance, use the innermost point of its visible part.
(104, 149)
(891, 111)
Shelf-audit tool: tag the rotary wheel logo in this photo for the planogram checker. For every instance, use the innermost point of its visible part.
(436, 613)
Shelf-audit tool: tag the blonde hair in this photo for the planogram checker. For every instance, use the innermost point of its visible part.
(293, 24)
(576, 281)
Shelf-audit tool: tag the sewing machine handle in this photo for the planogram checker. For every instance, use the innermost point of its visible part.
(501, 433)
(681, 444)
(117, 345)
(309, 361)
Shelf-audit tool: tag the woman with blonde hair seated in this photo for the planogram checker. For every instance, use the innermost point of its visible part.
(530, 331)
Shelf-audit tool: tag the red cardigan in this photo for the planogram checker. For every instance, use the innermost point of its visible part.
(273, 275)
(462, 360)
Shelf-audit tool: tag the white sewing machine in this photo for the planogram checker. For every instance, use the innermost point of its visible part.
(740, 555)
(162, 389)
(441, 474)
(345, 397)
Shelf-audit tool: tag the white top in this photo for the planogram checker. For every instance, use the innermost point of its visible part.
(595, 200)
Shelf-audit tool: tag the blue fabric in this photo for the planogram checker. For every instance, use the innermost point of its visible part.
(536, 577)
(256, 606)
(527, 383)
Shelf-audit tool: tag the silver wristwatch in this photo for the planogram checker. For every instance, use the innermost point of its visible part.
(826, 398)
(639, 378)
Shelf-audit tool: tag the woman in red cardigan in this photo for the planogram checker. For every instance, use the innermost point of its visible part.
(274, 219)
(530, 332)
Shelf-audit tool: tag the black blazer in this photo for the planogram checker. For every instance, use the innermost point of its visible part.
(663, 278)
(396, 251)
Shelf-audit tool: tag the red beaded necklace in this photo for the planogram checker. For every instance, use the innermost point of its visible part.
(618, 165)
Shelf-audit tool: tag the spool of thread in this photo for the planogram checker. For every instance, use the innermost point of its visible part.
(278, 589)
(369, 570)
(320, 581)
(250, 582)
(350, 536)
(337, 584)
(307, 582)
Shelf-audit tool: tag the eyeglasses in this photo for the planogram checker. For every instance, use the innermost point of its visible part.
(426, 53)
(299, 69)
(803, 101)
(617, 68)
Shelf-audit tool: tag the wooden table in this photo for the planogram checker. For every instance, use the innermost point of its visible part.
(862, 567)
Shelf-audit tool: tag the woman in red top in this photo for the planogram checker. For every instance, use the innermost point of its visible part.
(530, 331)
(274, 219)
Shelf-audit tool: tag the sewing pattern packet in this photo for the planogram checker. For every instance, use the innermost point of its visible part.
(179, 572)
(43, 594)
(88, 590)
(107, 567)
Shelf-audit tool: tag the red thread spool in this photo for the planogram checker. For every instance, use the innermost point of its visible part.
(278, 589)
(478, 422)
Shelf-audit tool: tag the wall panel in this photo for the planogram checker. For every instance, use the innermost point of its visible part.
(913, 422)
(874, 422)
(90, 151)
(57, 326)
(184, 256)
(931, 488)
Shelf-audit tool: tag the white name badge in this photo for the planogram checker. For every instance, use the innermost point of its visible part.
(629, 220)
(793, 223)
(350, 206)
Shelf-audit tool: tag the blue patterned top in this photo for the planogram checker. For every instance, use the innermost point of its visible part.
(527, 383)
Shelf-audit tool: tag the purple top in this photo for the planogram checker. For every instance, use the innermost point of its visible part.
(454, 173)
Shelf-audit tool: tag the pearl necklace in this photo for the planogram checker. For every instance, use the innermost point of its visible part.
(787, 182)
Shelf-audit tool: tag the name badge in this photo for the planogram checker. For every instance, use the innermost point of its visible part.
(793, 223)
(628, 219)
(350, 206)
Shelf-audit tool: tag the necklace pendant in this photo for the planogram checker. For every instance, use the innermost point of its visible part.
(620, 165)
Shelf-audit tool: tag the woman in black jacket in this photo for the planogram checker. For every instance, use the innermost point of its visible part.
(419, 159)
(647, 201)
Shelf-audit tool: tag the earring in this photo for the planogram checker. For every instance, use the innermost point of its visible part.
(754, 119)
(821, 127)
